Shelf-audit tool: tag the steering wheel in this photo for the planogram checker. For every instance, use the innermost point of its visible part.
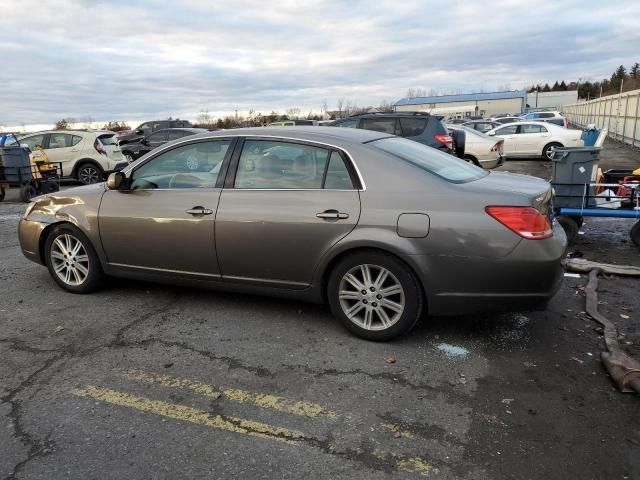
(192, 162)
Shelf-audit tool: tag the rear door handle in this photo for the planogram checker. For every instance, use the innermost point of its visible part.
(332, 215)
(199, 211)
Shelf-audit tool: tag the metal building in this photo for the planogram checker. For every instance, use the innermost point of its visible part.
(467, 105)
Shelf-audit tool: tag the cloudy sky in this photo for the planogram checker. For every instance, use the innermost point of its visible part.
(147, 59)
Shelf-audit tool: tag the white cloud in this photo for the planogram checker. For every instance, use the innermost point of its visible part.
(111, 60)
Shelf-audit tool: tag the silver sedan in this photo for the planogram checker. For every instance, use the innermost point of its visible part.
(380, 228)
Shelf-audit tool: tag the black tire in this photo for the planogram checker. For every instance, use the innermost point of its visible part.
(401, 274)
(88, 173)
(635, 234)
(2, 193)
(570, 226)
(472, 159)
(27, 192)
(546, 150)
(93, 278)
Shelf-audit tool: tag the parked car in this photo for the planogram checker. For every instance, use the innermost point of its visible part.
(420, 127)
(504, 120)
(380, 227)
(86, 155)
(292, 123)
(551, 117)
(535, 139)
(147, 128)
(482, 125)
(134, 150)
(480, 149)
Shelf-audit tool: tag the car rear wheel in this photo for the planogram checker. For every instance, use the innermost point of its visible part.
(635, 234)
(71, 260)
(374, 295)
(571, 226)
(89, 173)
(547, 151)
(27, 192)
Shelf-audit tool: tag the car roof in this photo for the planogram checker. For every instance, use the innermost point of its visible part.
(310, 133)
(183, 129)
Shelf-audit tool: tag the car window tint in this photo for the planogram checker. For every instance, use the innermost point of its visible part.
(60, 140)
(189, 166)
(484, 127)
(353, 123)
(33, 141)
(531, 129)
(430, 159)
(412, 127)
(108, 139)
(280, 165)
(338, 177)
(174, 134)
(386, 125)
(509, 130)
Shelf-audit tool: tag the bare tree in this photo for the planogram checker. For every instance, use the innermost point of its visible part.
(340, 106)
(325, 109)
(385, 106)
(433, 92)
(293, 112)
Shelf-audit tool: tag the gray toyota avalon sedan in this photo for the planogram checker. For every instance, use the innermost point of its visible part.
(379, 227)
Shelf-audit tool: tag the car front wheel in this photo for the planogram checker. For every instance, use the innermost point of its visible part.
(549, 149)
(71, 260)
(374, 295)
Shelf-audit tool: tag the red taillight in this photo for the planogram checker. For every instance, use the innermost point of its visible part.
(99, 147)
(566, 124)
(527, 222)
(445, 140)
(497, 147)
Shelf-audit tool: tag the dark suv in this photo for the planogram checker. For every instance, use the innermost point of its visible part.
(417, 126)
(134, 150)
(147, 128)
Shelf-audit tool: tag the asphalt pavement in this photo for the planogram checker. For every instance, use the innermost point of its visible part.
(142, 380)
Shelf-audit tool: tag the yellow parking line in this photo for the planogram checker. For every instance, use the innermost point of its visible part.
(417, 465)
(397, 430)
(191, 415)
(306, 409)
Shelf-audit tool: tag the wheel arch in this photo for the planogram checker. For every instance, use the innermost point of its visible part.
(84, 161)
(552, 143)
(331, 263)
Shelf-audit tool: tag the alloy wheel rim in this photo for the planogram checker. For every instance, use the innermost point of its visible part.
(371, 297)
(69, 260)
(89, 175)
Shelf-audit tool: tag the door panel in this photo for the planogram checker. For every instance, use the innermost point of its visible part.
(152, 229)
(275, 236)
(60, 149)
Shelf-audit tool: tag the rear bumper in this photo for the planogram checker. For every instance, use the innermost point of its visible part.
(526, 278)
(491, 162)
(29, 234)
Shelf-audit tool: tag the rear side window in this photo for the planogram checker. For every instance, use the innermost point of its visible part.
(174, 134)
(442, 164)
(386, 125)
(532, 129)
(546, 115)
(510, 130)
(337, 177)
(412, 127)
(60, 140)
(353, 123)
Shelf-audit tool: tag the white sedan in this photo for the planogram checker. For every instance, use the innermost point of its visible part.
(481, 149)
(535, 139)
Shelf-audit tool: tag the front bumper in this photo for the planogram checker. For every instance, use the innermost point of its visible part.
(29, 234)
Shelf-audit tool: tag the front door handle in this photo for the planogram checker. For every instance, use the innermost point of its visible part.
(332, 215)
(199, 211)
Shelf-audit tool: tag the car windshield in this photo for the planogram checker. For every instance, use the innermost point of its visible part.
(433, 161)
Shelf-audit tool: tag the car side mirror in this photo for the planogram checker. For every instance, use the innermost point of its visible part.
(139, 132)
(491, 134)
(116, 181)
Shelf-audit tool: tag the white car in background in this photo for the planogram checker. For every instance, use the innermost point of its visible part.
(535, 139)
(86, 155)
(481, 149)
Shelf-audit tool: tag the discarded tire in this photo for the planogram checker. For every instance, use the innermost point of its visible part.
(570, 226)
(635, 234)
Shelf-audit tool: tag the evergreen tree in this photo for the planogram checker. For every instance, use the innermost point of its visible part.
(546, 88)
(556, 87)
(634, 71)
(563, 86)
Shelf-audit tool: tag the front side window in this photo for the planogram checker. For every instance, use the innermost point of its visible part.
(352, 123)
(510, 130)
(280, 165)
(190, 166)
(430, 159)
(386, 125)
(157, 137)
(484, 127)
(34, 141)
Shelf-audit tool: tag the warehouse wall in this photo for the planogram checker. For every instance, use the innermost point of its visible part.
(490, 107)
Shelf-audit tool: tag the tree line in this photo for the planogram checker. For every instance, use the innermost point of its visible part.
(622, 79)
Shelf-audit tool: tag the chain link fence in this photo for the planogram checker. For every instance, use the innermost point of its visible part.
(616, 113)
